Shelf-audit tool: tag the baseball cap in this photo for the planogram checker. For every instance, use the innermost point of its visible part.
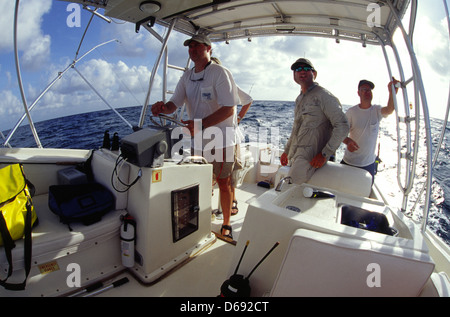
(301, 61)
(366, 82)
(200, 38)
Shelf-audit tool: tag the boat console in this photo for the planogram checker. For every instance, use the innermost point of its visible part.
(172, 208)
(148, 147)
(333, 246)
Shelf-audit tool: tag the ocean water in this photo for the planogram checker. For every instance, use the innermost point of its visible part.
(85, 131)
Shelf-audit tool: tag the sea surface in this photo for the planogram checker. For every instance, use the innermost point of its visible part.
(271, 119)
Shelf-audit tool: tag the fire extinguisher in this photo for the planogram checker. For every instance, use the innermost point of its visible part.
(128, 239)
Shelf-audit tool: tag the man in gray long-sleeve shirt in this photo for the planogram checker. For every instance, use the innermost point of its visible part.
(319, 125)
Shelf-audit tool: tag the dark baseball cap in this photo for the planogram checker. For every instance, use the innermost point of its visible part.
(366, 82)
(302, 61)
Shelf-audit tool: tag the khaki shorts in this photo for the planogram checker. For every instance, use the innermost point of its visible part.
(225, 168)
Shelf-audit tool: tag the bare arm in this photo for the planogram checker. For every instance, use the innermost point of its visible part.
(243, 111)
(211, 120)
(165, 108)
(352, 146)
(389, 109)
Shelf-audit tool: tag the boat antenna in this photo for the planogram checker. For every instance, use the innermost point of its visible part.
(237, 285)
(242, 255)
(267, 254)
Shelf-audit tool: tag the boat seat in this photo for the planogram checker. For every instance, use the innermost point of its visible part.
(307, 270)
(53, 242)
(343, 178)
(53, 239)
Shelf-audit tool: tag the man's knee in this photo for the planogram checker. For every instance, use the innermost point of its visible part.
(224, 184)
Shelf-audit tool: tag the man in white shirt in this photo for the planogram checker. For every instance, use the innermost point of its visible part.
(364, 120)
(245, 100)
(211, 96)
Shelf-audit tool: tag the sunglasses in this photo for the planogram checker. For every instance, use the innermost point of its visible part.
(305, 68)
(200, 79)
(203, 76)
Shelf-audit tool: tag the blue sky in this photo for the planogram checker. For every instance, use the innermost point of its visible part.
(120, 70)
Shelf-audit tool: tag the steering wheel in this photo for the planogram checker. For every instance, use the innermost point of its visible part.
(171, 119)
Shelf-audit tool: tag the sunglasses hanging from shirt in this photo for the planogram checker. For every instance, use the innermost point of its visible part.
(203, 76)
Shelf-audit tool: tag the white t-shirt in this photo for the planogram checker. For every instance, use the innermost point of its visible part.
(244, 99)
(364, 126)
(204, 93)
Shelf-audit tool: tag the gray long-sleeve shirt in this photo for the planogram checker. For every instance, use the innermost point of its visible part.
(319, 126)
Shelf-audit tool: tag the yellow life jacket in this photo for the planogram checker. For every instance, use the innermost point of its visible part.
(17, 216)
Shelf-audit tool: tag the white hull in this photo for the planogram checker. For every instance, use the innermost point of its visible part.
(198, 266)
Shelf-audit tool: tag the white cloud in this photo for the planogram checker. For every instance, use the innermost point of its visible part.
(119, 84)
(9, 103)
(259, 66)
(30, 38)
(132, 78)
(436, 34)
(36, 53)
